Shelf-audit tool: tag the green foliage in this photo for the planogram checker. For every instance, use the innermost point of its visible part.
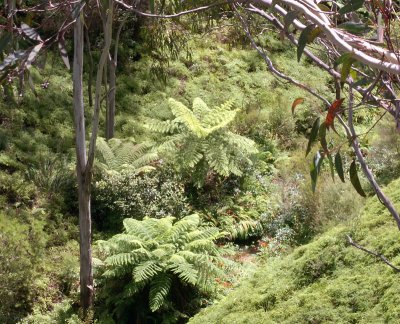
(325, 281)
(62, 313)
(199, 140)
(127, 194)
(157, 256)
(19, 261)
(118, 155)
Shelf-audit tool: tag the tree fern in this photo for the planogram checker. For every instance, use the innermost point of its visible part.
(155, 252)
(199, 140)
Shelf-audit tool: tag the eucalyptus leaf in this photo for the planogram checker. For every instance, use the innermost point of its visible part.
(339, 166)
(313, 135)
(30, 32)
(355, 181)
(351, 5)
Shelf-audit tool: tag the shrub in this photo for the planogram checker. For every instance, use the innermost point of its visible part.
(168, 262)
(62, 313)
(127, 194)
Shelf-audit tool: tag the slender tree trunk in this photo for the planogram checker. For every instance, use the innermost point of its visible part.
(86, 274)
(9, 7)
(112, 75)
(90, 72)
(110, 119)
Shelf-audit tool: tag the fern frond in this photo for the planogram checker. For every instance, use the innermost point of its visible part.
(162, 126)
(164, 225)
(154, 252)
(117, 155)
(137, 228)
(218, 160)
(171, 144)
(191, 154)
(133, 288)
(200, 108)
(243, 144)
(187, 118)
(218, 119)
(121, 259)
(159, 289)
(211, 233)
(185, 271)
(126, 242)
(183, 226)
(107, 156)
(205, 245)
(146, 271)
(116, 272)
(243, 229)
(144, 160)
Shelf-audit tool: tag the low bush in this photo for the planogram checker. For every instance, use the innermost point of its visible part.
(127, 194)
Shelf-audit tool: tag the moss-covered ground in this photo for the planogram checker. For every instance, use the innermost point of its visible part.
(325, 281)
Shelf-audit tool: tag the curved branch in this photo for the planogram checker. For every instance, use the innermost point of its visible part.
(367, 172)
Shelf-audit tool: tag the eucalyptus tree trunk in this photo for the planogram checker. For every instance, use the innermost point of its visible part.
(112, 81)
(85, 161)
(110, 118)
(85, 232)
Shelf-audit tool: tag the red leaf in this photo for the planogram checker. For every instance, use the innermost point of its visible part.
(333, 109)
(296, 102)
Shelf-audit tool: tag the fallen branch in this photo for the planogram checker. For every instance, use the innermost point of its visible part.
(375, 254)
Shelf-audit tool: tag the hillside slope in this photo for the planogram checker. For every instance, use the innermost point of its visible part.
(326, 281)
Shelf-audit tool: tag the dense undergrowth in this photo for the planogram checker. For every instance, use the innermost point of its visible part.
(325, 281)
(269, 201)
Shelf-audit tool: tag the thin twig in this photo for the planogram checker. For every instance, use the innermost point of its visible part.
(375, 254)
(182, 13)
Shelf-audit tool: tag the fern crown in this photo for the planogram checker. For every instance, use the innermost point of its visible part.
(198, 139)
(154, 252)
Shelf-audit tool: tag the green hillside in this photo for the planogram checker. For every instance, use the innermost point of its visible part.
(211, 172)
(325, 281)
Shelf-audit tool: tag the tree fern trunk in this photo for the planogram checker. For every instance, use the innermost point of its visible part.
(86, 276)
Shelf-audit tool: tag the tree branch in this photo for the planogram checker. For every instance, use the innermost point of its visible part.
(367, 172)
(386, 61)
(97, 99)
(375, 254)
